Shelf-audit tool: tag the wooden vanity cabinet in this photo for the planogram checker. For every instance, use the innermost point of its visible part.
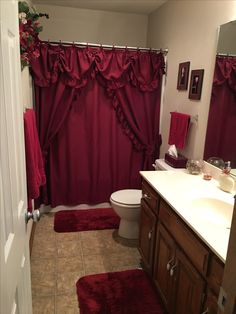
(186, 273)
(148, 221)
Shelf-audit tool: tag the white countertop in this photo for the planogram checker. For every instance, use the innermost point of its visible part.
(188, 195)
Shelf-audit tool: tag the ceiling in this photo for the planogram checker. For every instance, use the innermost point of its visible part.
(127, 6)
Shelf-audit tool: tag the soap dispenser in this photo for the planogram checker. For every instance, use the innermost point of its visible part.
(226, 182)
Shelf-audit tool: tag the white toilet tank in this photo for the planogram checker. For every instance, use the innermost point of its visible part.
(160, 164)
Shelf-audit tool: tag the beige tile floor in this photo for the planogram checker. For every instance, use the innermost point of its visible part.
(58, 260)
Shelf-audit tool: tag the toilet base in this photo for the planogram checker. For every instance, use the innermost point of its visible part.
(128, 229)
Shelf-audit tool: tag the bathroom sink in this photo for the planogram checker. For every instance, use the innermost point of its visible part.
(213, 210)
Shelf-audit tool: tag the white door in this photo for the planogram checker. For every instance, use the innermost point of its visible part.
(15, 267)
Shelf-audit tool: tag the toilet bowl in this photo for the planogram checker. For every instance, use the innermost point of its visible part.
(126, 203)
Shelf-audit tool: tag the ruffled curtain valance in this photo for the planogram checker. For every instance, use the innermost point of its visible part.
(74, 66)
(225, 72)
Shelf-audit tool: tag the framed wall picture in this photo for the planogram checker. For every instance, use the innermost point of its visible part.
(195, 88)
(183, 73)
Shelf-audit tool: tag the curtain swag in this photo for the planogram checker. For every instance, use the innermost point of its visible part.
(75, 65)
(225, 72)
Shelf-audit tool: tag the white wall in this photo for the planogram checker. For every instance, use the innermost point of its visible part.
(189, 30)
(27, 91)
(26, 81)
(72, 24)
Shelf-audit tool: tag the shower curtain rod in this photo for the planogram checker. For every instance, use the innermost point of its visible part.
(226, 55)
(165, 51)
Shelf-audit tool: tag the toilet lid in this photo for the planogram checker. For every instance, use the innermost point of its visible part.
(128, 197)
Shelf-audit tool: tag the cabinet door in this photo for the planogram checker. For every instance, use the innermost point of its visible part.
(163, 261)
(146, 235)
(211, 306)
(188, 286)
(215, 274)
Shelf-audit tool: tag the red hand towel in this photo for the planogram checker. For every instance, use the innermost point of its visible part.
(34, 162)
(179, 126)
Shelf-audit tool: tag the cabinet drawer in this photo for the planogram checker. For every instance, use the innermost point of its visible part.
(190, 244)
(150, 196)
(215, 274)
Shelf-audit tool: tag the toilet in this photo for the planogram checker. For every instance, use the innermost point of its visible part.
(126, 203)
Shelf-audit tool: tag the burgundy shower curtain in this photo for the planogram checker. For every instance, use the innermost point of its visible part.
(220, 136)
(98, 119)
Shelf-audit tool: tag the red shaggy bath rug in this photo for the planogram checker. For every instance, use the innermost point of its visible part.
(124, 292)
(86, 219)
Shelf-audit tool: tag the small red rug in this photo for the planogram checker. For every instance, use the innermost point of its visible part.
(124, 292)
(86, 219)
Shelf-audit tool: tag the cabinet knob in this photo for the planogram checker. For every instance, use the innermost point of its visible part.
(168, 265)
(173, 270)
(206, 311)
(150, 235)
(145, 195)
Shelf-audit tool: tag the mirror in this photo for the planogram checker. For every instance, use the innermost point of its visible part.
(220, 136)
(226, 41)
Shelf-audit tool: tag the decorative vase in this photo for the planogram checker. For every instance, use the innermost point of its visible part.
(194, 166)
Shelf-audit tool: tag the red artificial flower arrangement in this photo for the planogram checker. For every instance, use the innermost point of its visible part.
(29, 28)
